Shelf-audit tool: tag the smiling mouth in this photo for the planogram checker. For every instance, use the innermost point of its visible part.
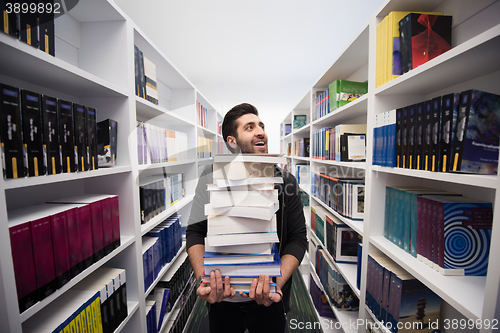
(260, 144)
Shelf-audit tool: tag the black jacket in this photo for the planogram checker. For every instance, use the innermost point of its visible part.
(291, 226)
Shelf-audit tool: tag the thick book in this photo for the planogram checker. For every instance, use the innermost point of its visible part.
(244, 198)
(32, 133)
(81, 133)
(477, 136)
(67, 137)
(24, 264)
(436, 134)
(449, 112)
(272, 269)
(28, 26)
(427, 135)
(237, 170)
(11, 132)
(263, 248)
(9, 20)
(299, 120)
(346, 128)
(353, 147)
(46, 28)
(252, 187)
(50, 116)
(107, 141)
(257, 212)
(425, 37)
(242, 239)
(419, 136)
(150, 79)
(342, 92)
(219, 258)
(258, 158)
(222, 224)
(399, 130)
(411, 146)
(91, 126)
(465, 221)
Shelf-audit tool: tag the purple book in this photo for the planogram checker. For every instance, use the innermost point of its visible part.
(44, 256)
(115, 220)
(107, 226)
(61, 249)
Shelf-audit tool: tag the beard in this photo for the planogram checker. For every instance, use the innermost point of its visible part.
(249, 148)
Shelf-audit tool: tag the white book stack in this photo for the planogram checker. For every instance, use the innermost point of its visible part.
(241, 231)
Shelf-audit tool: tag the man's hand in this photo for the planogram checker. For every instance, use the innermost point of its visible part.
(217, 290)
(259, 292)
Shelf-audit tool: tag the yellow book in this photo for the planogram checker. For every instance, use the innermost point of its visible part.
(393, 46)
(384, 50)
(378, 75)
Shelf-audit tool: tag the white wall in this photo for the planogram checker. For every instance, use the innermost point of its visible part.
(264, 52)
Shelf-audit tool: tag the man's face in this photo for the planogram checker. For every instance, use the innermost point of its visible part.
(251, 137)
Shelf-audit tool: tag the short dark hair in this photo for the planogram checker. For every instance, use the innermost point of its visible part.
(229, 125)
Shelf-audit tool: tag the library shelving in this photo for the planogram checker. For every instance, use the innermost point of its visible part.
(470, 64)
(94, 65)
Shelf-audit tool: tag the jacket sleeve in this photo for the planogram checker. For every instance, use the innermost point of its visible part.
(296, 244)
(196, 230)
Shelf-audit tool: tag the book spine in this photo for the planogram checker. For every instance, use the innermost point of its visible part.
(86, 236)
(419, 136)
(61, 248)
(427, 135)
(74, 242)
(43, 256)
(436, 133)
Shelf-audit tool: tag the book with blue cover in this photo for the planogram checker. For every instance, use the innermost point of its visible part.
(477, 134)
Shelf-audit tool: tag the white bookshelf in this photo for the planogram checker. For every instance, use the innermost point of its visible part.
(94, 66)
(471, 63)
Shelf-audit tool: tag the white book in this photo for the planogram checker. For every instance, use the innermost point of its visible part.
(222, 224)
(243, 198)
(254, 187)
(262, 212)
(217, 258)
(240, 170)
(242, 239)
(248, 181)
(260, 158)
(264, 248)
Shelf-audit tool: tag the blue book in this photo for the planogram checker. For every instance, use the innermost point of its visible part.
(391, 139)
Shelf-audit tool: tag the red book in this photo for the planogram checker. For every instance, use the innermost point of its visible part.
(60, 246)
(115, 220)
(107, 227)
(24, 264)
(44, 256)
(74, 241)
(86, 237)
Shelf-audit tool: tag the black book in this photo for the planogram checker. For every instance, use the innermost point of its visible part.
(449, 111)
(50, 117)
(399, 128)
(427, 134)
(403, 44)
(425, 37)
(436, 133)
(142, 76)
(404, 138)
(28, 30)
(419, 136)
(107, 131)
(91, 125)
(9, 19)
(32, 133)
(136, 71)
(66, 136)
(11, 132)
(353, 147)
(46, 29)
(411, 148)
(79, 112)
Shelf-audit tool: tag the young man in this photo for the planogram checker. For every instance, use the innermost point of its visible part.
(259, 311)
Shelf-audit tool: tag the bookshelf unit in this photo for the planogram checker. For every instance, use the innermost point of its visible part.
(471, 63)
(94, 66)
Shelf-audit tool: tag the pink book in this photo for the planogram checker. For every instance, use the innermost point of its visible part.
(115, 220)
(24, 264)
(44, 256)
(61, 249)
(86, 237)
(74, 241)
(107, 227)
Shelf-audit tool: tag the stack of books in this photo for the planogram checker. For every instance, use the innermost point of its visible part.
(241, 233)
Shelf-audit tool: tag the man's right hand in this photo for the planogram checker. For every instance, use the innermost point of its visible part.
(216, 291)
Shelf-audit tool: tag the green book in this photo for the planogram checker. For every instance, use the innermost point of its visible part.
(342, 92)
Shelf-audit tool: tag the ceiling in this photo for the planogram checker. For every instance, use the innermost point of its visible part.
(265, 52)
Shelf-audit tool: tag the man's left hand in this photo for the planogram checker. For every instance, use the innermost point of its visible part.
(259, 292)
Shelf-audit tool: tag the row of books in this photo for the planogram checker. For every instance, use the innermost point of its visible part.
(319, 299)
(344, 142)
(201, 115)
(242, 230)
(406, 40)
(97, 304)
(54, 242)
(159, 247)
(302, 147)
(299, 121)
(285, 129)
(158, 145)
(336, 287)
(341, 241)
(346, 196)
(450, 133)
(396, 297)
(145, 77)
(203, 147)
(321, 102)
(302, 173)
(430, 223)
(158, 193)
(219, 126)
(31, 22)
(43, 135)
(178, 321)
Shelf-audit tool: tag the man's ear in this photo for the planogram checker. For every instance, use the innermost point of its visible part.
(231, 140)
